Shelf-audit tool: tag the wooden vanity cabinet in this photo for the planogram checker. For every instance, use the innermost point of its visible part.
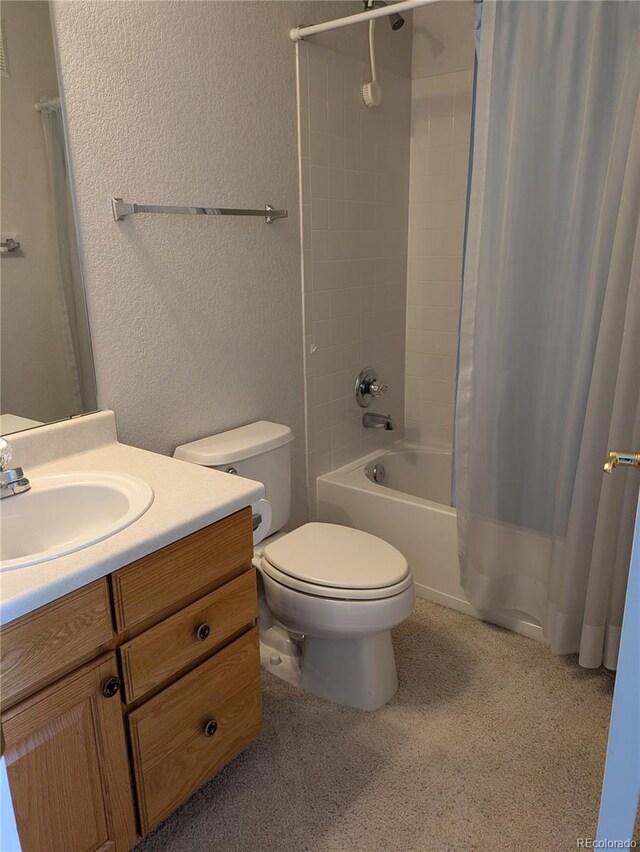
(172, 692)
(188, 732)
(43, 645)
(67, 765)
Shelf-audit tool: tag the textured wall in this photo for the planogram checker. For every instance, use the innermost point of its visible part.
(38, 378)
(355, 193)
(196, 323)
(440, 127)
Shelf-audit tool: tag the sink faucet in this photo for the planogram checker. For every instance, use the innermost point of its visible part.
(12, 479)
(377, 421)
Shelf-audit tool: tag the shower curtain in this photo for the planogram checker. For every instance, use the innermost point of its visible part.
(549, 361)
(78, 344)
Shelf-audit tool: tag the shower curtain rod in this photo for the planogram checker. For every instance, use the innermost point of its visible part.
(299, 33)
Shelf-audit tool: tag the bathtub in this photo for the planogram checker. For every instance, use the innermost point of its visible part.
(410, 508)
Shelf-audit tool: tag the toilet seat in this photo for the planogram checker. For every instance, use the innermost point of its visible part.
(332, 561)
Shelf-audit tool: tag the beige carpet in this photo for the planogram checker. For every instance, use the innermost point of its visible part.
(491, 743)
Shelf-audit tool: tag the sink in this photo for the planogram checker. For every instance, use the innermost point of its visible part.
(64, 513)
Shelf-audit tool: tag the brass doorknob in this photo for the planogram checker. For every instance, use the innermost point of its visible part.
(617, 457)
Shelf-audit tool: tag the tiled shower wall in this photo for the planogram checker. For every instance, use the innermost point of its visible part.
(440, 128)
(355, 198)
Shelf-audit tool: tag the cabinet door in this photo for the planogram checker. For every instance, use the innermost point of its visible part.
(67, 766)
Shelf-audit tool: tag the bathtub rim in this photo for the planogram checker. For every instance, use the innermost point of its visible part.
(341, 475)
(519, 623)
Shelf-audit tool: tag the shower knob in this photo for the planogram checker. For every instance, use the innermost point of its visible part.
(377, 389)
(369, 387)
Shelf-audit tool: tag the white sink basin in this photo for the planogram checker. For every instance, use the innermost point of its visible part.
(61, 514)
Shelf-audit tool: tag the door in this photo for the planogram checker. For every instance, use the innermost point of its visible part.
(67, 765)
(621, 784)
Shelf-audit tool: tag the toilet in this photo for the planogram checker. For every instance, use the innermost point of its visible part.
(329, 594)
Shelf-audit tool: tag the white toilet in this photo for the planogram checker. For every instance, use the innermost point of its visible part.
(335, 590)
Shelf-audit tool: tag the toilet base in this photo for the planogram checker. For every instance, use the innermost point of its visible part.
(359, 672)
(279, 653)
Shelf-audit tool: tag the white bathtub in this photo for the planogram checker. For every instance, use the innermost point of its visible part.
(410, 509)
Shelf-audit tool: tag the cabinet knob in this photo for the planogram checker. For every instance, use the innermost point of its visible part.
(203, 632)
(210, 728)
(111, 686)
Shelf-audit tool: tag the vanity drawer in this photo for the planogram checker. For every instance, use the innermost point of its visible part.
(182, 571)
(178, 641)
(175, 746)
(51, 641)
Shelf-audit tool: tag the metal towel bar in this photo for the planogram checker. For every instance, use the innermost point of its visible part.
(121, 209)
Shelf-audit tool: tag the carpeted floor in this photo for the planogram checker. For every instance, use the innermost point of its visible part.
(491, 743)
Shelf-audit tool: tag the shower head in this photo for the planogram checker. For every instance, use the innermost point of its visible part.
(396, 21)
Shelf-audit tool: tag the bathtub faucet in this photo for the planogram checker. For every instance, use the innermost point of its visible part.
(377, 421)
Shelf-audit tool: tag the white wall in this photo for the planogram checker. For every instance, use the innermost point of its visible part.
(443, 52)
(196, 323)
(38, 379)
(355, 193)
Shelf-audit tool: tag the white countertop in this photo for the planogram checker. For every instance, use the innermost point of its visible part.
(187, 498)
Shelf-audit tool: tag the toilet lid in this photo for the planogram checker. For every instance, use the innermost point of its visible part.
(337, 557)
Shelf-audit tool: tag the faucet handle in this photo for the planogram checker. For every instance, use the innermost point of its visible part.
(6, 453)
(378, 389)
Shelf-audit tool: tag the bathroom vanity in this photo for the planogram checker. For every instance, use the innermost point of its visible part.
(124, 695)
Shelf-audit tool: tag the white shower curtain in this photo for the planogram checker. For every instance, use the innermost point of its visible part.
(549, 366)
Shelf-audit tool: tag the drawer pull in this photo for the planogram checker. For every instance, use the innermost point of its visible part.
(111, 686)
(210, 728)
(203, 632)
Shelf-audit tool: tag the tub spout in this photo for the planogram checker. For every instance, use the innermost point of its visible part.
(378, 421)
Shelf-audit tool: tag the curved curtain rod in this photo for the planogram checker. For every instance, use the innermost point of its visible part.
(299, 33)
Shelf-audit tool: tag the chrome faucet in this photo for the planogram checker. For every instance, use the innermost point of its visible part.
(12, 479)
(378, 421)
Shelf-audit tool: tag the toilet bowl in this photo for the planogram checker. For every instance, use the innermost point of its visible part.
(329, 594)
(343, 590)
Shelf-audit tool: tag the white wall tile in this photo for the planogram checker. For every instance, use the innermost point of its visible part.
(369, 252)
(429, 342)
(319, 214)
(319, 148)
(317, 112)
(335, 183)
(356, 196)
(440, 293)
(318, 182)
(433, 318)
(441, 109)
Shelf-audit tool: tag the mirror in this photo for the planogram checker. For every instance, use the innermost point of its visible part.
(46, 366)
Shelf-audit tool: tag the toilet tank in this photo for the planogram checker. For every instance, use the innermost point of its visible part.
(260, 451)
